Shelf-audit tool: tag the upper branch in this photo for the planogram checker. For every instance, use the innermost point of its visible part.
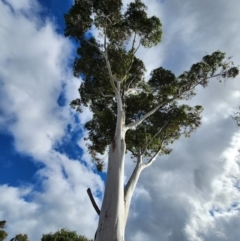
(133, 54)
(94, 45)
(160, 130)
(107, 61)
(153, 158)
(137, 122)
(111, 96)
(110, 74)
(179, 94)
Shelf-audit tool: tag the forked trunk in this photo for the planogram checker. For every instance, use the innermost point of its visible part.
(112, 219)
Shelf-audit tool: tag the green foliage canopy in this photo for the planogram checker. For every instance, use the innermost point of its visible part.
(20, 237)
(64, 235)
(236, 117)
(3, 234)
(122, 32)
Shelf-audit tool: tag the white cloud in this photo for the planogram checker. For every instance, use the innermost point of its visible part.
(191, 194)
(201, 174)
(33, 73)
(61, 203)
(25, 5)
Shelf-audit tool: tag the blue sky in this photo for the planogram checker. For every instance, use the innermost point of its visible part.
(45, 169)
(17, 168)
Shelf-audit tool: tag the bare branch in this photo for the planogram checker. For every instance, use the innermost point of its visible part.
(136, 123)
(108, 19)
(105, 95)
(128, 88)
(137, 48)
(153, 158)
(131, 184)
(136, 90)
(131, 62)
(160, 130)
(105, 38)
(198, 82)
(93, 201)
(94, 45)
(105, 54)
(133, 42)
(179, 94)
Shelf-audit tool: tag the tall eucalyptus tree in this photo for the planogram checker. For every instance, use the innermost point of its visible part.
(130, 114)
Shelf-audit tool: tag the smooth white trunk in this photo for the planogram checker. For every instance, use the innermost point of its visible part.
(111, 226)
(116, 201)
(131, 185)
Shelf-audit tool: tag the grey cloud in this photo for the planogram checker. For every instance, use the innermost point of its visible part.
(189, 172)
(226, 228)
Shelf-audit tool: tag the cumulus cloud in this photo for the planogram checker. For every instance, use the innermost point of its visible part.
(61, 201)
(195, 190)
(32, 78)
(34, 72)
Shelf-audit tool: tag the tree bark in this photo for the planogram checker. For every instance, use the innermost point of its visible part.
(111, 226)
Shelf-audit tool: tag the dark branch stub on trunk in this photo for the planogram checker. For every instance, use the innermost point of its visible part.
(93, 201)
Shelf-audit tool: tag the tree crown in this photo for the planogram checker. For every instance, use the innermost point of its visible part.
(112, 61)
(64, 235)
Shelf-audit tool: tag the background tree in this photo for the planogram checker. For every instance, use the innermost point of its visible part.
(64, 235)
(20, 237)
(236, 117)
(131, 114)
(3, 234)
